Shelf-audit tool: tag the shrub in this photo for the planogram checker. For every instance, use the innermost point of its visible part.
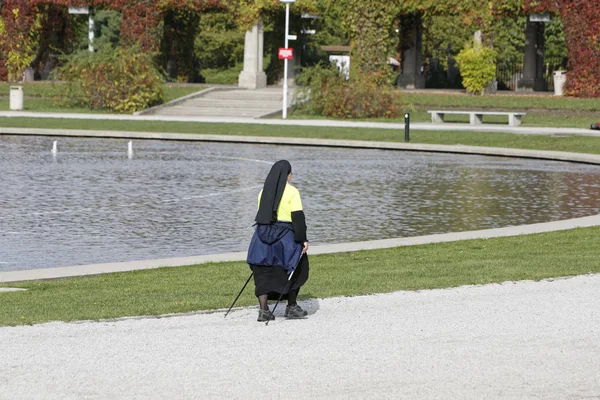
(20, 49)
(122, 80)
(328, 93)
(581, 20)
(477, 66)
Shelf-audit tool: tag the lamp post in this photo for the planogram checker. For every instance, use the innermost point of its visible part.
(285, 61)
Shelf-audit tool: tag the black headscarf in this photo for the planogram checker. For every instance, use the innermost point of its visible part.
(272, 192)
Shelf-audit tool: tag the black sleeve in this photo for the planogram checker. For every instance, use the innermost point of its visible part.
(299, 224)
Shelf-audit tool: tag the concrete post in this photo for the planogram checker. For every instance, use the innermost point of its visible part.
(478, 38)
(261, 49)
(91, 31)
(412, 56)
(491, 87)
(533, 61)
(253, 76)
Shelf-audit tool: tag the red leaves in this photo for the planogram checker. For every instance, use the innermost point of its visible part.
(581, 21)
(140, 17)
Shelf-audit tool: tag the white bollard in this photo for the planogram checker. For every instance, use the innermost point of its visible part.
(16, 98)
(560, 78)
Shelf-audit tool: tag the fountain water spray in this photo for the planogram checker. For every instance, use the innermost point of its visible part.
(130, 150)
(55, 147)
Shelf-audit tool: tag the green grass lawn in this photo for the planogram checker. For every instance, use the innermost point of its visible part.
(215, 285)
(174, 91)
(546, 118)
(542, 110)
(40, 96)
(578, 144)
(533, 118)
(500, 101)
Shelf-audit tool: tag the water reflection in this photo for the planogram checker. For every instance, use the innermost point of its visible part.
(92, 203)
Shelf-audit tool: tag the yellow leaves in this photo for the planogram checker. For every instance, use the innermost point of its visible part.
(121, 80)
(18, 59)
(38, 22)
(20, 45)
(306, 6)
(249, 12)
(477, 66)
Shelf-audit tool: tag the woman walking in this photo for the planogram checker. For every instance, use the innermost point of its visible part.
(279, 244)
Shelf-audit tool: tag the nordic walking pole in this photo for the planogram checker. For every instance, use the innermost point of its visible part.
(239, 294)
(287, 284)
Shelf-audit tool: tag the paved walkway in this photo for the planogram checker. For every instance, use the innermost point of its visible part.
(225, 101)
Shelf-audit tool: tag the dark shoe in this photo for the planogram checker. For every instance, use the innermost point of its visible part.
(294, 311)
(265, 315)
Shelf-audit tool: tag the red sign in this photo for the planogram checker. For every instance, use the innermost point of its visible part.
(286, 54)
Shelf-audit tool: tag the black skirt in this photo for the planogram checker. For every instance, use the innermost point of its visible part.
(274, 280)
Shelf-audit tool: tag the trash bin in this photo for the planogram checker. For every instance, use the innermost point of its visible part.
(16, 98)
(560, 77)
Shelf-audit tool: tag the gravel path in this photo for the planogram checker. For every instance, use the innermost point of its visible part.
(514, 340)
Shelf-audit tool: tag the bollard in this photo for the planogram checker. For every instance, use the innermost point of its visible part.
(560, 78)
(406, 127)
(16, 98)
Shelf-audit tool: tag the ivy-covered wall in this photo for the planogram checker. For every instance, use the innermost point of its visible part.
(581, 22)
(23, 21)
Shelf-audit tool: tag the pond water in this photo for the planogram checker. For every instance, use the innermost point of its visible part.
(91, 203)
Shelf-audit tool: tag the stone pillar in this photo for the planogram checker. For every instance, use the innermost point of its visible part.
(478, 38)
(253, 76)
(491, 87)
(533, 62)
(411, 33)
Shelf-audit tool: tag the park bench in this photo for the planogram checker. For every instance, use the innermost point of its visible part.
(476, 117)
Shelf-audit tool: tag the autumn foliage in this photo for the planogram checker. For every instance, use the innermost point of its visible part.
(22, 18)
(581, 21)
(104, 80)
(367, 22)
(332, 95)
